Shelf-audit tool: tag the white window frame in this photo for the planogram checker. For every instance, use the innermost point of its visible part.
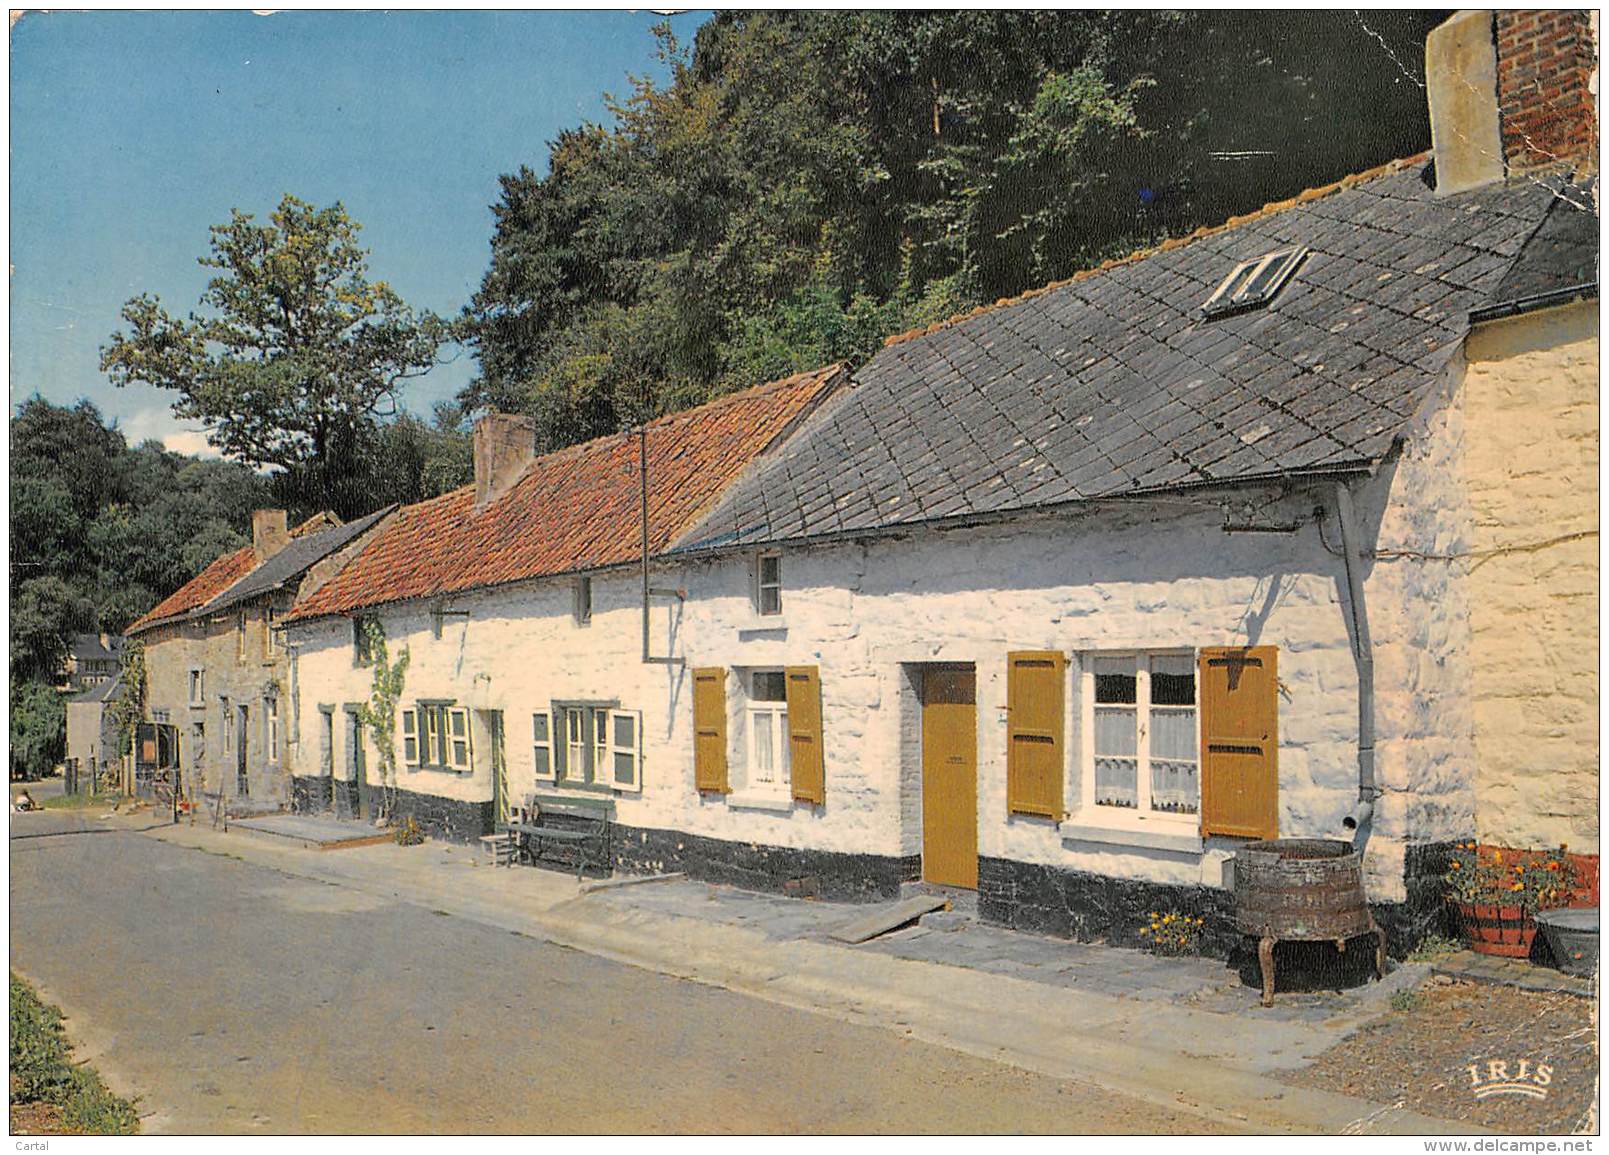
(542, 744)
(270, 643)
(228, 726)
(1141, 815)
(198, 686)
(581, 610)
(761, 585)
(410, 737)
(271, 727)
(576, 741)
(633, 751)
(1230, 296)
(781, 785)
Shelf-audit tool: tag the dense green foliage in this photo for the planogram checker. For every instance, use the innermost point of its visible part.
(38, 727)
(807, 182)
(101, 531)
(43, 1071)
(296, 357)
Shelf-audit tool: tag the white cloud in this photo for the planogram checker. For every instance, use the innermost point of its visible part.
(161, 425)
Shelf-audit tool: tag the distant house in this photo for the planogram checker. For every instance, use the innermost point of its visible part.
(94, 748)
(217, 694)
(1286, 528)
(91, 660)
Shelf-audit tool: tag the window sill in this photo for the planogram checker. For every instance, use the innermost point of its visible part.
(444, 770)
(780, 803)
(763, 624)
(1150, 836)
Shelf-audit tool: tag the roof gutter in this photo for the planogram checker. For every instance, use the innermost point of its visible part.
(1532, 303)
(1038, 513)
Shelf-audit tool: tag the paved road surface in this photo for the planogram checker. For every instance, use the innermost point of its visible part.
(236, 998)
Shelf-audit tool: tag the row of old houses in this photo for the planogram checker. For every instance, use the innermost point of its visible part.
(1286, 528)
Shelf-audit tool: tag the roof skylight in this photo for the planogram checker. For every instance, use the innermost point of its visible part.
(1253, 283)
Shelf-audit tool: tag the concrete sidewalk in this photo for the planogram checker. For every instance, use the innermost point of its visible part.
(1179, 1033)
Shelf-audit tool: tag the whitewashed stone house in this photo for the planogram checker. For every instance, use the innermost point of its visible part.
(1066, 599)
(518, 600)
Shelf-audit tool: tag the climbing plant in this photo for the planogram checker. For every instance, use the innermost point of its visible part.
(379, 713)
(127, 710)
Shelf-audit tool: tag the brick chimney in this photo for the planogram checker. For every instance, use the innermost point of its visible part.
(1547, 71)
(1511, 91)
(505, 443)
(270, 532)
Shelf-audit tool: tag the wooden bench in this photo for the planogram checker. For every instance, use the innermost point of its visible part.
(586, 828)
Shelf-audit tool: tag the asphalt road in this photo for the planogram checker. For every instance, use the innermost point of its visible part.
(234, 998)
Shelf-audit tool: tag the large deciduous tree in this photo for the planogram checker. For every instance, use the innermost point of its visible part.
(295, 355)
(803, 183)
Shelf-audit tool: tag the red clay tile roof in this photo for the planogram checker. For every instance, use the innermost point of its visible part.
(201, 589)
(577, 509)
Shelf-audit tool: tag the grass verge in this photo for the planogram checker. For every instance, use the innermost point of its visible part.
(79, 801)
(49, 1093)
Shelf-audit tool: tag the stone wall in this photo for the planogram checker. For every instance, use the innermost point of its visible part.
(249, 678)
(1531, 466)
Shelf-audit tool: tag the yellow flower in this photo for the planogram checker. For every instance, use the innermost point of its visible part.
(1518, 886)
(1497, 857)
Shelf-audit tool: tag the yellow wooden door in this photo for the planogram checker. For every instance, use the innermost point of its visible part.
(950, 778)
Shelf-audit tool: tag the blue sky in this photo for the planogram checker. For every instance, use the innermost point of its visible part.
(131, 133)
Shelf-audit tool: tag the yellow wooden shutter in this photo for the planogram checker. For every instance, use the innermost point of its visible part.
(1240, 741)
(806, 763)
(709, 729)
(1035, 750)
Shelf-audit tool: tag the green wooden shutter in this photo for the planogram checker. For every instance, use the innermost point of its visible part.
(807, 764)
(709, 729)
(1035, 749)
(410, 738)
(1240, 741)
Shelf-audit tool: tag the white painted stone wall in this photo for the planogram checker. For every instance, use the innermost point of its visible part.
(1161, 576)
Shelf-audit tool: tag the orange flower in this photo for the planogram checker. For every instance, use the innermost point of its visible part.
(1497, 857)
(1456, 865)
(1518, 886)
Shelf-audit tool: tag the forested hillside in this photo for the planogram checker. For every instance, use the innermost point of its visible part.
(809, 182)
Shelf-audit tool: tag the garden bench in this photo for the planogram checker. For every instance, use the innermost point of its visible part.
(584, 824)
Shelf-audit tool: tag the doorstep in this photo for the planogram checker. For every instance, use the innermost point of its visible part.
(1495, 970)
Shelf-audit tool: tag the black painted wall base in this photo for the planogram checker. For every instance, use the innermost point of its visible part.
(835, 876)
(1079, 905)
(444, 818)
(311, 795)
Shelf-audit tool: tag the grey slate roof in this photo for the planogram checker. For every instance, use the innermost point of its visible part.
(1113, 384)
(1562, 254)
(88, 647)
(298, 556)
(102, 692)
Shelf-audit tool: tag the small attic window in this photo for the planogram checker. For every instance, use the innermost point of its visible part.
(1253, 283)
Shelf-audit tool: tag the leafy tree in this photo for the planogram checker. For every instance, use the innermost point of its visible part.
(45, 613)
(297, 354)
(38, 727)
(806, 182)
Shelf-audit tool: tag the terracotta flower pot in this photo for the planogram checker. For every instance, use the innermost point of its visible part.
(1499, 930)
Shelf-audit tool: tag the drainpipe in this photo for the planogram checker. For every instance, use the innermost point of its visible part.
(1357, 824)
(642, 470)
